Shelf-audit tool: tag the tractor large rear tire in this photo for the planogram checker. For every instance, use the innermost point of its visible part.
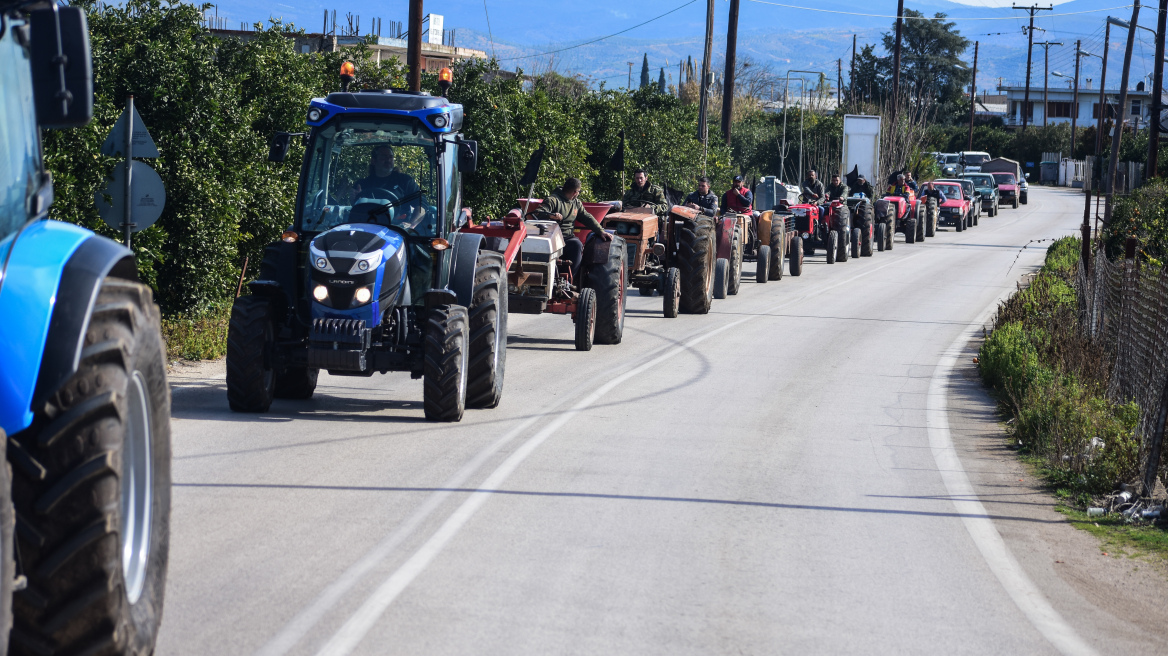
(881, 242)
(778, 248)
(859, 243)
(845, 238)
(921, 221)
(7, 552)
(251, 383)
(931, 217)
(697, 254)
(795, 261)
(487, 318)
(736, 256)
(721, 277)
(610, 280)
(762, 264)
(91, 488)
(586, 319)
(445, 363)
(296, 383)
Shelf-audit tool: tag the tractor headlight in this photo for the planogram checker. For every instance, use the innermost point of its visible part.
(439, 120)
(314, 115)
(320, 293)
(363, 295)
(320, 261)
(366, 262)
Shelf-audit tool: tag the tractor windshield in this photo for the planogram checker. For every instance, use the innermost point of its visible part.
(20, 159)
(373, 170)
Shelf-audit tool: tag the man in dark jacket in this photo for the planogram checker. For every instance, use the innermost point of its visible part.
(837, 190)
(865, 187)
(738, 198)
(565, 207)
(703, 199)
(812, 190)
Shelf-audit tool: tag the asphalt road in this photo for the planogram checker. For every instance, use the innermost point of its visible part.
(773, 477)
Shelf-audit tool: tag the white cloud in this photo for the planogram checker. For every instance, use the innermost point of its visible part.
(618, 14)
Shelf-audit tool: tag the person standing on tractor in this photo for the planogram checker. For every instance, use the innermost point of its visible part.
(812, 190)
(703, 199)
(837, 190)
(565, 207)
(912, 184)
(643, 194)
(738, 198)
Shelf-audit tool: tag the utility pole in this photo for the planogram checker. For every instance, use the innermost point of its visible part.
(852, 75)
(728, 83)
(414, 46)
(839, 85)
(896, 60)
(972, 96)
(1123, 78)
(704, 82)
(1046, 76)
(1102, 97)
(1029, 48)
(1075, 101)
(1152, 168)
(629, 85)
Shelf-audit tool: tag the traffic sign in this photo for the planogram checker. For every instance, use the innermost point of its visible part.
(147, 193)
(115, 143)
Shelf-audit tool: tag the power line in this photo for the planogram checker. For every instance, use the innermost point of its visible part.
(597, 40)
(928, 18)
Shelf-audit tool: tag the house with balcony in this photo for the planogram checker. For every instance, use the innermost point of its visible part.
(1060, 105)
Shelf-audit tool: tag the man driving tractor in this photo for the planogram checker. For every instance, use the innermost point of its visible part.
(643, 194)
(738, 198)
(384, 176)
(565, 207)
(703, 199)
(900, 187)
(837, 190)
(812, 189)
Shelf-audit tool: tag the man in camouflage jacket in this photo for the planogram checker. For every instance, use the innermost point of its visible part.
(643, 194)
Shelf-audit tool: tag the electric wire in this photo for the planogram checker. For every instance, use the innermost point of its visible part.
(599, 39)
(930, 18)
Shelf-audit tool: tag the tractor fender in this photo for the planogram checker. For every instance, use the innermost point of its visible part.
(53, 277)
(277, 275)
(727, 224)
(464, 260)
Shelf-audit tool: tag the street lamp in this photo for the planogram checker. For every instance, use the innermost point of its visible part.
(1074, 101)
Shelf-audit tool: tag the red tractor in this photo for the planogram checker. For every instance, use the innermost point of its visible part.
(904, 214)
(730, 230)
(539, 281)
(830, 231)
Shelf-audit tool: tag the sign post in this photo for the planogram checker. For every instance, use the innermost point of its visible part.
(127, 219)
(137, 193)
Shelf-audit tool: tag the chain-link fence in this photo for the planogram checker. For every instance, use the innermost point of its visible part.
(1124, 308)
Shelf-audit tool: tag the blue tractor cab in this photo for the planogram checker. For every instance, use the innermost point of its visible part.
(84, 400)
(376, 274)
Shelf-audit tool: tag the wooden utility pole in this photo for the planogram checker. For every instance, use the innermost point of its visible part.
(1102, 96)
(1118, 131)
(1151, 170)
(1029, 48)
(728, 82)
(852, 75)
(972, 96)
(704, 81)
(1046, 76)
(414, 46)
(839, 85)
(1075, 101)
(896, 60)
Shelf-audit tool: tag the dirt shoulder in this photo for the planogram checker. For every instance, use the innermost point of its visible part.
(1114, 600)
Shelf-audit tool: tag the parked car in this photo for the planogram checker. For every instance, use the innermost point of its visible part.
(972, 160)
(950, 165)
(988, 188)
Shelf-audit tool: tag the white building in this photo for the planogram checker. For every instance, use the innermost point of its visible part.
(1060, 105)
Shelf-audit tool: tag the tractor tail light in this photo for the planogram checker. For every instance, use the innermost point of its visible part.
(290, 236)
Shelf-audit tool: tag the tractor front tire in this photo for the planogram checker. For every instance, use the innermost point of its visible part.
(296, 383)
(921, 221)
(844, 250)
(931, 217)
(778, 248)
(832, 249)
(487, 320)
(91, 488)
(796, 259)
(860, 245)
(721, 277)
(251, 383)
(585, 319)
(671, 292)
(762, 264)
(610, 280)
(736, 256)
(445, 363)
(889, 235)
(697, 254)
(910, 231)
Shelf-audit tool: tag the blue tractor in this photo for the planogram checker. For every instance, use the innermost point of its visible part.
(84, 401)
(376, 274)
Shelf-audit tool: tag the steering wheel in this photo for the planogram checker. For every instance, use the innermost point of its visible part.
(379, 194)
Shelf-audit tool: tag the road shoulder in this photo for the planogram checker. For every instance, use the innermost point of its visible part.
(1118, 598)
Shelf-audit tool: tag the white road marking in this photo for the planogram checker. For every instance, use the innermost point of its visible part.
(997, 555)
(346, 639)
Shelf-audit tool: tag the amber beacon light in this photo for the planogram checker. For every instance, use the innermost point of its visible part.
(445, 79)
(347, 70)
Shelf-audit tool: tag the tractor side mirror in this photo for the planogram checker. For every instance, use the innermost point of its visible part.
(468, 156)
(1027, 176)
(62, 69)
(279, 148)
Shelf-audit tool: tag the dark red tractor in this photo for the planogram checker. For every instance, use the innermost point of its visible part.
(828, 228)
(903, 214)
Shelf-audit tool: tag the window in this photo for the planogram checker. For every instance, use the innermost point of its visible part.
(1059, 109)
(1095, 110)
(1017, 105)
(20, 155)
(1135, 108)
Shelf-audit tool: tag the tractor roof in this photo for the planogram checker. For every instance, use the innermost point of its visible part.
(436, 113)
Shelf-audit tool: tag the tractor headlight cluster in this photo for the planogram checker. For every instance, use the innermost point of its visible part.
(439, 120)
(366, 262)
(320, 261)
(314, 115)
(363, 295)
(320, 293)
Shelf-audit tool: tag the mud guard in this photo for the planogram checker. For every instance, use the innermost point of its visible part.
(463, 262)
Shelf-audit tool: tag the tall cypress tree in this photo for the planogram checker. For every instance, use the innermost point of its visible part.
(645, 72)
(661, 86)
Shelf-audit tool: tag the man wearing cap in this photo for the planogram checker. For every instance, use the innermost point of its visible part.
(865, 187)
(643, 194)
(703, 199)
(565, 207)
(738, 198)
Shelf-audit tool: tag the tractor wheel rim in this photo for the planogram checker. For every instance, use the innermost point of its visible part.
(137, 483)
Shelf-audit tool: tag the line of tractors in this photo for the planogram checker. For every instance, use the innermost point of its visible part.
(385, 270)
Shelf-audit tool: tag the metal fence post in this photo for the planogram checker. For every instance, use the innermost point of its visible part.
(1086, 232)
(1152, 467)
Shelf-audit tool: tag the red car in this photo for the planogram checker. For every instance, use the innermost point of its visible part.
(1007, 188)
(957, 210)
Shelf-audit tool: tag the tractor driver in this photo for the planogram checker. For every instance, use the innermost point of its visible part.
(900, 187)
(644, 194)
(565, 207)
(703, 199)
(738, 198)
(837, 190)
(864, 187)
(383, 174)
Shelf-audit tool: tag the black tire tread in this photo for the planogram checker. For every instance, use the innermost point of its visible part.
(445, 356)
(250, 383)
(608, 281)
(695, 260)
(487, 317)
